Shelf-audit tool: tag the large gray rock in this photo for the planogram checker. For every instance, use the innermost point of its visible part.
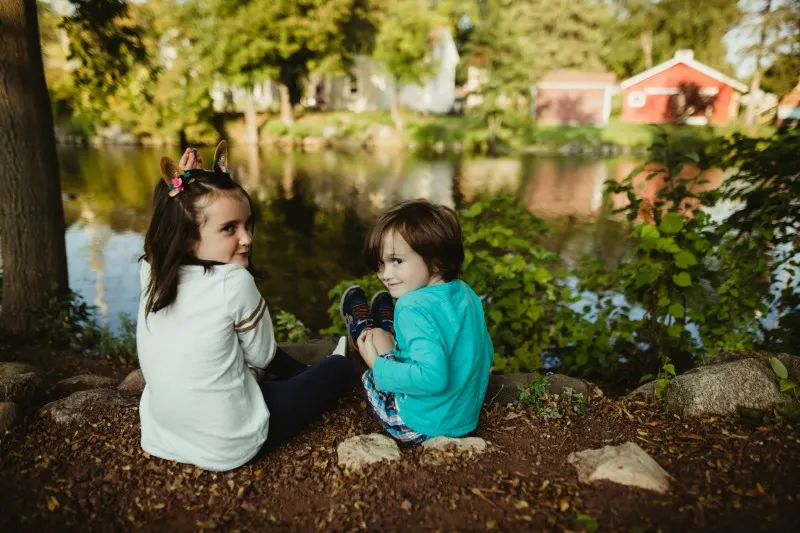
(471, 445)
(67, 386)
(133, 382)
(361, 450)
(627, 464)
(504, 388)
(10, 370)
(73, 407)
(721, 389)
(9, 414)
(21, 388)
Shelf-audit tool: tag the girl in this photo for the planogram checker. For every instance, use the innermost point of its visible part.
(202, 323)
(432, 380)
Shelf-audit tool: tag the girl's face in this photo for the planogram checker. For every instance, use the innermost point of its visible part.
(401, 269)
(224, 233)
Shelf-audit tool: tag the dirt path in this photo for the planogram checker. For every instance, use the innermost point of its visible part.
(727, 477)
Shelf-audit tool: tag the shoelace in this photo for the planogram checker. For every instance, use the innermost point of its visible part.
(360, 312)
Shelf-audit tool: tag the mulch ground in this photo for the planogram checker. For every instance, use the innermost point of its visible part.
(727, 477)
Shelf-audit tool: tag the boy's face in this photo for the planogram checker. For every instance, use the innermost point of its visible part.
(401, 269)
(224, 233)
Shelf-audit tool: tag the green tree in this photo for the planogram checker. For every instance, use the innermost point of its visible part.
(648, 32)
(282, 40)
(104, 45)
(404, 43)
(784, 73)
(774, 26)
(516, 41)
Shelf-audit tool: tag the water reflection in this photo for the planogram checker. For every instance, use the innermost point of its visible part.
(315, 209)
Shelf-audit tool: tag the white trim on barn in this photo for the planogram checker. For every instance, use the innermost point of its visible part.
(683, 56)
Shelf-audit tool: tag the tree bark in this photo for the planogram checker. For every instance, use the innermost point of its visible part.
(395, 106)
(647, 48)
(250, 117)
(755, 83)
(287, 110)
(31, 213)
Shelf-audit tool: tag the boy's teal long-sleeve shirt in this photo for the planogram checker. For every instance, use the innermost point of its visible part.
(444, 355)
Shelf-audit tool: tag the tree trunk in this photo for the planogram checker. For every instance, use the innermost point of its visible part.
(31, 213)
(250, 117)
(647, 47)
(395, 106)
(755, 83)
(287, 110)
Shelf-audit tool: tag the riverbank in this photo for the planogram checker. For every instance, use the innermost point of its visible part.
(438, 134)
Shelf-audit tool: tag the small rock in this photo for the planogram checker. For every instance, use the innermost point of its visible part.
(21, 388)
(9, 414)
(559, 383)
(65, 387)
(73, 407)
(722, 388)
(133, 382)
(406, 505)
(310, 352)
(10, 370)
(362, 450)
(627, 464)
(465, 444)
(643, 393)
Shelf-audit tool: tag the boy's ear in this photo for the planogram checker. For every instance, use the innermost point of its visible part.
(221, 156)
(169, 171)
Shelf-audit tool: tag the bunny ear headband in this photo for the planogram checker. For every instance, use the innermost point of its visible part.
(176, 179)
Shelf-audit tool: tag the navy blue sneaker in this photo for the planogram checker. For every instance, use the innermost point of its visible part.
(355, 313)
(381, 307)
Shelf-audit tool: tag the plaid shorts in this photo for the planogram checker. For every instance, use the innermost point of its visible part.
(385, 406)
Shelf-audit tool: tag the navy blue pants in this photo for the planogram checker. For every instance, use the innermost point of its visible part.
(299, 394)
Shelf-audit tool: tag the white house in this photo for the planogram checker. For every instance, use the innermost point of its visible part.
(369, 86)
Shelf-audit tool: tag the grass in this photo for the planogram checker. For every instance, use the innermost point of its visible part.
(471, 133)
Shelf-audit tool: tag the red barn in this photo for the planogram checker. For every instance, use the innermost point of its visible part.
(681, 90)
(567, 97)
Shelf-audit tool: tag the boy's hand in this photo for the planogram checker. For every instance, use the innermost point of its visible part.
(367, 348)
(383, 341)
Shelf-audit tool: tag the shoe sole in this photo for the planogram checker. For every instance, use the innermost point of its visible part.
(341, 313)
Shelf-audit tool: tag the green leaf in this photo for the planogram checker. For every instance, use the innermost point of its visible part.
(496, 315)
(778, 368)
(685, 259)
(542, 275)
(675, 330)
(650, 233)
(787, 385)
(677, 310)
(663, 301)
(682, 280)
(588, 521)
(671, 223)
(669, 369)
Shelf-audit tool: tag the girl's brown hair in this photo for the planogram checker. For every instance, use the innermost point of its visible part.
(175, 226)
(431, 230)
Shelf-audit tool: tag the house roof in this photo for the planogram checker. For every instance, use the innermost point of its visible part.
(681, 56)
(575, 76)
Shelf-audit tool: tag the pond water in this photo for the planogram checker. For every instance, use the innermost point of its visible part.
(314, 211)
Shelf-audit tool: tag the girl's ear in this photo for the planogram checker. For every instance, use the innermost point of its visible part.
(169, 172)
(221, 156)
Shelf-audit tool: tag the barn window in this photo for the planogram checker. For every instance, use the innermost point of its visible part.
(636, 99)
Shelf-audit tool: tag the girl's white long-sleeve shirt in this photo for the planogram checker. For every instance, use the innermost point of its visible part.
(201, 405)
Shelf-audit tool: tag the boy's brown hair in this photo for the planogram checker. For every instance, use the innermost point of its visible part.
(431, 230)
